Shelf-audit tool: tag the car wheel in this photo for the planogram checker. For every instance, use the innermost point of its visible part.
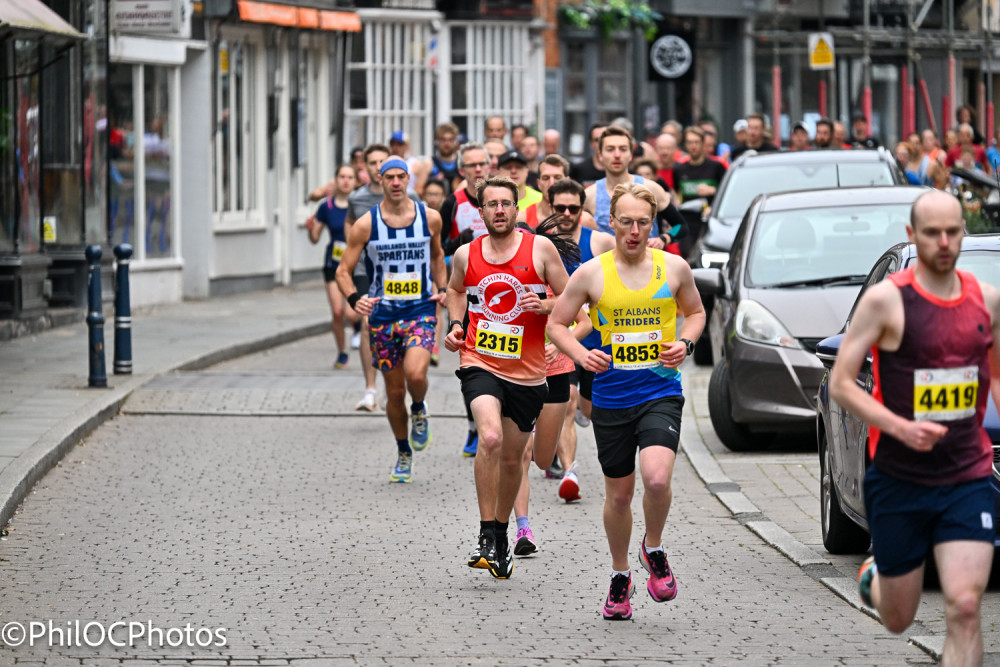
(733, 435)
(840, 534)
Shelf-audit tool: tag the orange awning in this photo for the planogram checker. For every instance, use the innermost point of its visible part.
(298, 17)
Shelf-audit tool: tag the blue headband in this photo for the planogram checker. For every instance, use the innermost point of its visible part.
(393, 163)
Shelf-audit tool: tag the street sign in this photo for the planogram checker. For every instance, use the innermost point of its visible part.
(821, 54)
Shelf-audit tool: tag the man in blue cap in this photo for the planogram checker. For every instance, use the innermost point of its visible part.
(401, 243)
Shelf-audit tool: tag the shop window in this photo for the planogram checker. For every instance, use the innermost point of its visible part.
(27, 129)
(598, 86)
(235, 148)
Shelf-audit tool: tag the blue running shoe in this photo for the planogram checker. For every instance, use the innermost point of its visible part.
(471, 444)
(420, 431)
(342, 360)
(403, 472)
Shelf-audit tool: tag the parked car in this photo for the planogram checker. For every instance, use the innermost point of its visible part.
(797, 263)
(754, 174)
(843, 438)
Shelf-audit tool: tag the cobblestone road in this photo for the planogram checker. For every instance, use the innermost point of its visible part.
(284, 530)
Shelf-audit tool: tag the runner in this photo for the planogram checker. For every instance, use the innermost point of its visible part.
(551, 169)
(332, 215)
(403, 257)
(932, 332)
(636, 293)
(502, 279)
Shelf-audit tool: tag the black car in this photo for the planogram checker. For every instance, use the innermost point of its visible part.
(843, 438)
(797, 264)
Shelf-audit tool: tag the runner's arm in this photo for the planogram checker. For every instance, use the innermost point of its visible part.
(358, 236)
(567, 308)
(690, 306)
(315, 229)
(992, 300)
(870, 323)
(457, 300)
(438, 271)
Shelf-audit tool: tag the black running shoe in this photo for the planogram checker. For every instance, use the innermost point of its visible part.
(484, 548)
(502, 563)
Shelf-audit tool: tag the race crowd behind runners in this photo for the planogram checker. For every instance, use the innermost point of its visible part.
(562, 288)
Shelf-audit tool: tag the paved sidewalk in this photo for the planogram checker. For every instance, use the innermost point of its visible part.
(47, 406)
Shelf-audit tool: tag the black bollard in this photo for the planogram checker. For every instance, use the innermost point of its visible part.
(95, 319)
(123, 312)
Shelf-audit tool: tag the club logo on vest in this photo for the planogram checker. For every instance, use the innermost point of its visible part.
(499, 296)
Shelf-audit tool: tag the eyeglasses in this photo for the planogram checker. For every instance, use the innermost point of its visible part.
(628, 222)
(562, 208)
(474, 165)
(506, 203)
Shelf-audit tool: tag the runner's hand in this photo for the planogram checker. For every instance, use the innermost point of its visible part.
(454, 340)
(673, 353)
(366, 305)
(596, 361)
(439, 298)
(551, 352)
(655, 244)
(530, 302)
(922, 435)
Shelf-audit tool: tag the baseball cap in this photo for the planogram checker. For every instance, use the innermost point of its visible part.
(511, 156)
(393, 163)
(800, 126)
(741, 125)
(399, 137)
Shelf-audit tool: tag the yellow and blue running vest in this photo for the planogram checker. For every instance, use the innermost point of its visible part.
(633, 324)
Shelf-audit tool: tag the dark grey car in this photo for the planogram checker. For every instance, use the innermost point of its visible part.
(796, 266)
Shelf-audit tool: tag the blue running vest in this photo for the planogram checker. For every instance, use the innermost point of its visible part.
(398, 264)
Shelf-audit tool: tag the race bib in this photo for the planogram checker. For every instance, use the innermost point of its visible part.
(402, 286)
(637, 350)
(945, 394)
(338, 250)
(499, 340)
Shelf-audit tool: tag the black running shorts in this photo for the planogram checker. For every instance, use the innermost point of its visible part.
(521, 403)
(620, 432)
(586, 379)
(558, 388)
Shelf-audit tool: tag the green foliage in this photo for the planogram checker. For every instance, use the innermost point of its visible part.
(610, 16)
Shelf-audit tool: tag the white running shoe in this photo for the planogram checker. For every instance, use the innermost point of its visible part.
(367, 401)
(580, 420)
(356, 340)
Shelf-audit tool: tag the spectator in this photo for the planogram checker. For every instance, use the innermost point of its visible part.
(740, 131)
(799, 141)
(590, 169)
(755, 137)
(966, 114)
(840, 135)
(965, 141)
(495, 128)
(824, 134)
(930, 146)
(517, 134)
(551, 141)
(860, 136)
(911, 162)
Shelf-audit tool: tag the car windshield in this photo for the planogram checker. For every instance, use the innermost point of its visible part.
(983, 264)
(747, 182)
(820, 246)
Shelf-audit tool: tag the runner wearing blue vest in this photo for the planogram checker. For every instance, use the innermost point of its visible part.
(404, 261)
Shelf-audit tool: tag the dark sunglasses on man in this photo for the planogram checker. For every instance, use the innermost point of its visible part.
(562, 208)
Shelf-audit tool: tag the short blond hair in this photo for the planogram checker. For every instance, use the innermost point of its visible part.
(638, 191)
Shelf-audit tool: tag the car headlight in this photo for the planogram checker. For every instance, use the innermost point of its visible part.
(755, 322)
(710, 259)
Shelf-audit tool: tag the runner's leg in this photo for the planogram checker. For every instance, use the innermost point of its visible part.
(656, 465)
(618, 518)
(964, 570)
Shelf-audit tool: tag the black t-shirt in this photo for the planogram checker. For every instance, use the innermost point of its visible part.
(766, 147)
(585, 173)
(868, 142)
(687, 177)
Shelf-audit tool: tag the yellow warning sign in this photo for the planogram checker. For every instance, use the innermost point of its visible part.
(821, 53)
(49, 229)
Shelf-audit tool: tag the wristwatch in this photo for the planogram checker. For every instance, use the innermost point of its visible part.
(690, 346)
(451, 325)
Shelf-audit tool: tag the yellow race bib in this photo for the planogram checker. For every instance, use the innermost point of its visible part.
(499, 340)
(636, 350)
(945, 394)
(402, 286)
(338, 250)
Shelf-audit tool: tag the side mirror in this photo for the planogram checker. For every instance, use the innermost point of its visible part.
(709, 282)
(827, 349)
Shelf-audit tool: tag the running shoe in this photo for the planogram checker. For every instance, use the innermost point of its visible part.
(420, 430)
(483, 550)
(617, 606)
(569, 487)
(581, 420)
(502, 563)
(525, 544)
(367, 401)
(342, 360)
(435, 356)
(471, 444)
(356, 340)
(403, 472)
(865, 576)
(661, 584)
(555, 470)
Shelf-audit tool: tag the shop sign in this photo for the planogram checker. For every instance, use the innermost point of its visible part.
(146, 16)
(671, 56)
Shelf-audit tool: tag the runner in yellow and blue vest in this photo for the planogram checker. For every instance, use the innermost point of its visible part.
(636, 293)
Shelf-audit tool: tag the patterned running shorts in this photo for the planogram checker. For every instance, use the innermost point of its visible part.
(390, 341)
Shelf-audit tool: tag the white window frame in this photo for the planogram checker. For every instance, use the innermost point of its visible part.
(498, 73)
(316, 171)
(397, 66)
(254, 130)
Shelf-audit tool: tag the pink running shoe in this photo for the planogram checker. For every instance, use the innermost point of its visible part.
(617, 606)
(525, 543)
(662, 585)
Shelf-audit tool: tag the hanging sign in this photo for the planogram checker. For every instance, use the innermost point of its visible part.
(821, 54)
(671, 56)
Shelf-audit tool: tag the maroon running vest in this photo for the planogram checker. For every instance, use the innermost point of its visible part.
(940, 373)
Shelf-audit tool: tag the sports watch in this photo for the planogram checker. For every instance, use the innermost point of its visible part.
(690, 346)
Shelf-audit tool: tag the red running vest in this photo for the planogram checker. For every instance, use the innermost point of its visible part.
(940, 373)
(501, 337)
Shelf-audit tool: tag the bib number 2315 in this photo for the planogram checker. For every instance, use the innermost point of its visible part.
(636, 350)
(945, 394)
(402, 286)
(499, 340)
